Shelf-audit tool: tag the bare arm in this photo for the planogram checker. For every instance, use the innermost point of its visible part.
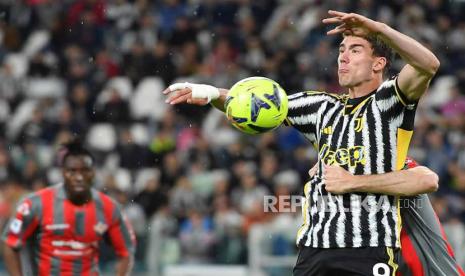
(414, 181)
(422, 64)
(12, 260)
(124, 265)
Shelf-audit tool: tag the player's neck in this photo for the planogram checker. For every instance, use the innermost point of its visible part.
(80, 199)
(363, 89)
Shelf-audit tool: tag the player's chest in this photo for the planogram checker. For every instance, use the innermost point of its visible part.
(64, 221)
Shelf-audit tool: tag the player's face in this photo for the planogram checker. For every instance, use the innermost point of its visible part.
(355, 62)
(78, 174)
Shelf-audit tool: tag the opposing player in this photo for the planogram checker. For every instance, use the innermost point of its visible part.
(367, 131)
(62, 225)
(425, 249)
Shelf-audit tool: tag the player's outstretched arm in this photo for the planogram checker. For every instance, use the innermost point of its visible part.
(12, 260)
(414, 181)
(422, 64)
(198, 94)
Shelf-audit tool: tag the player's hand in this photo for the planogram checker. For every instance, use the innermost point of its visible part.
(351, 24)
(313, 170)
(191, 93)
(337, 179)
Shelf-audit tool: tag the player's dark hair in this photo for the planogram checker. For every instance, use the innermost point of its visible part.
(74, 148)
(381, 49)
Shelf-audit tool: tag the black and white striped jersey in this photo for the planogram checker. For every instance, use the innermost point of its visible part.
(367, 135)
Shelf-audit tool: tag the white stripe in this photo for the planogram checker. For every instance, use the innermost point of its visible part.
(304, 119)
(355, 200)
(356, 210)
(387, 84)
(396, 221)
(379, 138)
(306, 210)
(372, 223)
(386, 104)
(313, 211)
(321, 214)
(366, 143)
(385, 208)
(340, 226)
(393, 128)
(341, 220)
(308, 100)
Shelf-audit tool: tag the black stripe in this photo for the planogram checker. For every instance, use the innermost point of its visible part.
(58, 215)
(55, 266)
(371, 123)
(364, 224)
(79, 223)
(379, 216)
(391, 221)
(77, 267)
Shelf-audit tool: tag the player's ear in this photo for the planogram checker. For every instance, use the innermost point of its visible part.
(379, 64)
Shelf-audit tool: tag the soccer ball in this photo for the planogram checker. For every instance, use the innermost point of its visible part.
(256, 105)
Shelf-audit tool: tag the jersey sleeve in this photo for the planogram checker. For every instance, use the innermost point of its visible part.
(22, 224)
(305, 110)
(390, 98)
(121, 234)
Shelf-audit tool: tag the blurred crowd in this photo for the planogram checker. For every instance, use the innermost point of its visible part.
(190, 184)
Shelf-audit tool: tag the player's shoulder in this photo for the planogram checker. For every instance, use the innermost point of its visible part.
(317, 95)
(104, 198)
(51, 190)
(388, 84)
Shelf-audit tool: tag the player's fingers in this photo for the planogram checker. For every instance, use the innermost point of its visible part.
(336, 31)
(336, 13)
(177, 86)
(180, 99)
(332, 20)
(179, 94)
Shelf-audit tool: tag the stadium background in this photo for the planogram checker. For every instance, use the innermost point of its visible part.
(191, 185)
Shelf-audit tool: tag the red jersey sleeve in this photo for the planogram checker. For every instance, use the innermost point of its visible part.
(22, 224)
(121, 234)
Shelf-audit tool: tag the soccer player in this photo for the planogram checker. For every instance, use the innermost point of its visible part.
(367, 131)
(62, 225)
(425, 249)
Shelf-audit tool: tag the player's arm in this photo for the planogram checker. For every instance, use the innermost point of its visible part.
(414, 181)
(123, 240)
(198, 94)
(19, 229)
(12, 260)
(422, 64)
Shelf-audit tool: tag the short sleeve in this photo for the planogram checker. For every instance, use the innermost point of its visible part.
(22, 224)
(389, 97)
(121, 234)
(304, 111)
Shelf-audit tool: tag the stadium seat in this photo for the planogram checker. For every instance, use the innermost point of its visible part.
(102, 137)
(142, 176)
(140, 134)
(148, 101)
(123, 180)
